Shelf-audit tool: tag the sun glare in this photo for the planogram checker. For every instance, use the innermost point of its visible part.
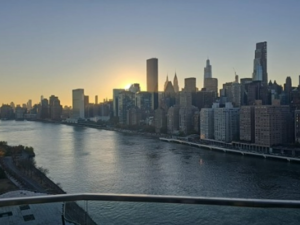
(127, 86)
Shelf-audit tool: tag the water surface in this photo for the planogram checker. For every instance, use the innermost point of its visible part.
(100, 161)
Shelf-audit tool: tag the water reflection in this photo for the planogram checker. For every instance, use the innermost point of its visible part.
(92, 160)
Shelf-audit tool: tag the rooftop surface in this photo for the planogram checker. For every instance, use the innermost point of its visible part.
(47, 214)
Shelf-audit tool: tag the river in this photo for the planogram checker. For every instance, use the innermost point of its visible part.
(100, 161)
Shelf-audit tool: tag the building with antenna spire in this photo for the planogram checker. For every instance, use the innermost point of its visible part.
(207, 70)
(175, 84)
(166, 83)
(210, 83)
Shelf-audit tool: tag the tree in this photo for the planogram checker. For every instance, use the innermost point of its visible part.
(2, 174)
(3, 143)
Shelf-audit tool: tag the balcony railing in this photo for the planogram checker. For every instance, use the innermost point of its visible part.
(240, 202)
(144, 209)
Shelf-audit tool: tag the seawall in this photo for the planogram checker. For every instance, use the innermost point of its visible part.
(232, 151)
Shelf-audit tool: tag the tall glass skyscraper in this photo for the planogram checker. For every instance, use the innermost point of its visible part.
(260, 63)
(78, 103)
(152, 75)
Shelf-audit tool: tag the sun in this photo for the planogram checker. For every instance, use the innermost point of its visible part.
(127, 86)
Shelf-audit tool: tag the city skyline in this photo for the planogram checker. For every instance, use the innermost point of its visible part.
(74, 46)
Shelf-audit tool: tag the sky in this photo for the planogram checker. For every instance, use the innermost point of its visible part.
(51, 47)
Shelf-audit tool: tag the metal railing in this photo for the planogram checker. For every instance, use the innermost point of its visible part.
(238, 202)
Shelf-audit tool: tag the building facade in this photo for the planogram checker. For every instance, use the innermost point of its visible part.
(207, 123)
(78, 104)
(160, 121)
(260, 63)
(143, 101)
(190, 84)
(186, 119)
(297, 126)
(55, 108)
(244, 93)
(126, 101)
(152, 75)
(203, 99)
(271, 124)
(256, 90)
(226, 123)
(173, 119)
(116, 93)
(211, 84)
(247, 123)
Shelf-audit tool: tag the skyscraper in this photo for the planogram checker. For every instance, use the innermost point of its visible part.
(226, 123)
(44, 111)
(166, 82)
(207, 123)
(288, 89)
(78, 103)
(55, 108)
(203, 99)
(244, 93)
(211, 84)
(232, 91)
(173, 119)
(288, 85)
(207, 70)
(271, 124)
(29, 104)
(116, 93)
(176, 86)
(190, 84)
(126, 101)
(152, 75)
(260, 63)
(247, 123)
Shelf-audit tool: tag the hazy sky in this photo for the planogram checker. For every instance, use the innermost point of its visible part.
(52, 47)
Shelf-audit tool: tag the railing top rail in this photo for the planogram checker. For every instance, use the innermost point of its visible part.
(239, 202)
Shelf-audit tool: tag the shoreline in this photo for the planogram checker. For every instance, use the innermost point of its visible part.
(166, 137)
(96, 126)
(23, 173)
(231, 151)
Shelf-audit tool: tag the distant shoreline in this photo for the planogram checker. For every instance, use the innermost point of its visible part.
(96, 126)
(165, 137)
(232, 151)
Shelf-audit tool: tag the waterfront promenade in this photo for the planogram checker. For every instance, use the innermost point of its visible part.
(233, 151)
